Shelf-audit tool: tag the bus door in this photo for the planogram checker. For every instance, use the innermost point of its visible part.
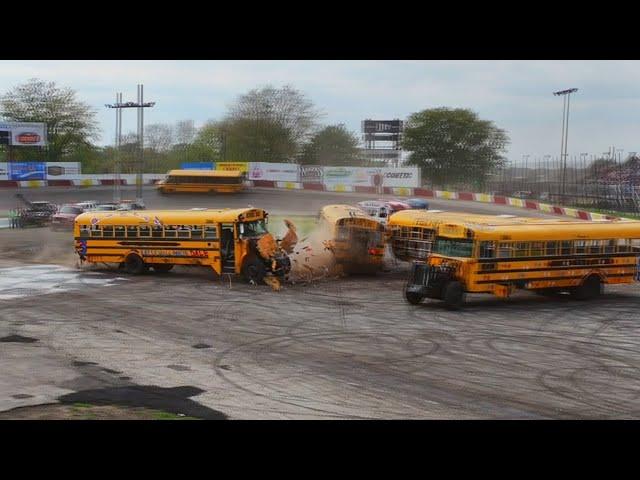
(227, 247)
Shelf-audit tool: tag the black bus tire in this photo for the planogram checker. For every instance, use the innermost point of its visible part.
(413, 298)
(134, 264)
(453, 295)
(591, 288)
(253, 270)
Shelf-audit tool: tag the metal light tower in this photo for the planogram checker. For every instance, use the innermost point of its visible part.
(566, 94)
(140, 105)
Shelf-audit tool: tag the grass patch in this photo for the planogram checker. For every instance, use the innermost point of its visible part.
(82, 405)
(304, 224)
(160, 415)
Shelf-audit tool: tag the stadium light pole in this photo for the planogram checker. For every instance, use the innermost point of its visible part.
(566, 94)
(140, 105)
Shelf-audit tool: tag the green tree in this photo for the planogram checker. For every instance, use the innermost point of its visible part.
(454, 145)
(268, 124)
(70, 122)
(333, 145)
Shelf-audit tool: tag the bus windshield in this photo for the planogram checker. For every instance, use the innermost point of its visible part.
(453, 247)
(253, 229)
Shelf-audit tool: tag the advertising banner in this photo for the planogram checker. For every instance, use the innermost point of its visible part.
(22, 171)
(26, 134)
(372, 176)
(242, 166)
(63, 170)
(4, 174)
(198, 166)
(311, 173)
(278, 172)
(401, 177)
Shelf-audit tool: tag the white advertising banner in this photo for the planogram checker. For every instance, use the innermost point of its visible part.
(63, 170)
(4, 171)
(401, 177)
(278, 172)
(26, 134)
(372, 176)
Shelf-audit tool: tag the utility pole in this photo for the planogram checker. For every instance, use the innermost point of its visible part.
(566, 94)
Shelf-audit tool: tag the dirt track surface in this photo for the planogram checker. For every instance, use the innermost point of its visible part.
(191, 343)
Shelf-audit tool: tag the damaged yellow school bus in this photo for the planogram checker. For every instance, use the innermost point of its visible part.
(357, 240)
(548, 256)
(233, 241)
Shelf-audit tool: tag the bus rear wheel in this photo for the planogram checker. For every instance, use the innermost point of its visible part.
(453, 295)
(134, 265)
(162, 267)
(413, 298)
(591, 288)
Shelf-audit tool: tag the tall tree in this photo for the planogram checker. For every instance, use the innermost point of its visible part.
(269, 124)
(70, 122)
(454, 145)
(333, 145)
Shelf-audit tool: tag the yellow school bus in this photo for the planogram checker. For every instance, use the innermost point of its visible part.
(229, 241)
(201, 181)
(411, 233)
(501, 255)
(356, 239)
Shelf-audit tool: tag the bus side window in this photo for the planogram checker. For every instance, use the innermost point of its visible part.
(537, 249)
(196, 231)
(580, 246)
(624, 245)
(594, 246)
(96, 231)
(487, 249)
(521, 249)
(635, 245)
(610, 246)
(107, 231)
(145, 231)
(157, 232)
(211, 232)
(170, 232)
(84, 231)
(119, 231)
(551, 248)
(184, 231)
(565, 248)
(505, 250)
(132, 232)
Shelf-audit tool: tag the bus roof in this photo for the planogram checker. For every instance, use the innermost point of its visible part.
(541, 229)
(205, 173)
(333, 213)
(170, 217)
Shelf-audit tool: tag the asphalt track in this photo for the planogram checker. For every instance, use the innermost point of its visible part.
(338, 348)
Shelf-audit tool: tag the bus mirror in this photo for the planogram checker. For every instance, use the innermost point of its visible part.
(241, 229)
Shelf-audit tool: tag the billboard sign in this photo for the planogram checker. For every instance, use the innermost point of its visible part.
(28, 134)
(311, 173)
(382, 126)
(242, 166)
(198, 166)
(22, 171)
(279, 172)
(63, 170)
(401, 177)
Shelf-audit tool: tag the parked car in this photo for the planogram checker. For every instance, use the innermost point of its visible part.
(87, 205)
(106, 207)
(418, 203)
(131, 205)
(37, 214)
(523, 194)
(63, 219)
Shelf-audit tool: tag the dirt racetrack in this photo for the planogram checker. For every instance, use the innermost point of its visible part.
(190, 343)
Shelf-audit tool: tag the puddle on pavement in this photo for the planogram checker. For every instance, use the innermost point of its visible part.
(31, 280)
(18, 339)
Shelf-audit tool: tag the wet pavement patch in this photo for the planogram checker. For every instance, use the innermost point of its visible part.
(18, 339)
(201, 345)
(20, 396)
(124, 378)
(108, 370)
(173, 400)
(179, 368)
(225, 367)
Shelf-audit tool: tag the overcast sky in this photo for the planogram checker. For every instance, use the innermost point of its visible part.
(516, 95)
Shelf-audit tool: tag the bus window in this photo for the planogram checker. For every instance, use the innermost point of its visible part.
(119, 232)
(565, 248)
(521, 249)
(210, 232)
(581, 247)
(107, 231)
(610, 246)
(196, 231)
(624, 245)
(594, 247)
(96, 231)
(156, 232)
(635, 245)
(84, 231)
(537, 249)
(170, 232)
(132, 232)
(184, 232)
(454, 247)
(505, 250)
(145, 231)
(487, 249)
(551, 248)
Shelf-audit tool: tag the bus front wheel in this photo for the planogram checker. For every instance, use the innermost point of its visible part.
(253, 270)
(412, 297)
(453, 295)
(162, 267)
(591, 288)
(134, 265)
